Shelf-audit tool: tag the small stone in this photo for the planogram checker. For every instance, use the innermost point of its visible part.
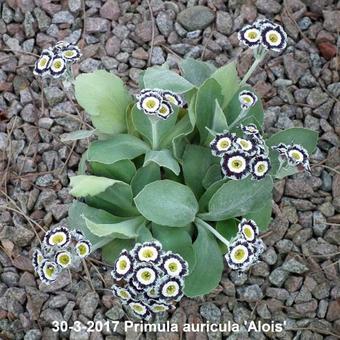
(302, 236)
(88, 304)
(89, 65)
(294, 69)
(164, 23)
(29, 25)
(60, 211)
(51, 315)
(63, 17)
(112, 46)
(95, 25)
(304, 295)
(292, 265)
(293, 283)
(43, 20)
(269, 256)
(53, 95)
(33, 334)
(144, 31)
(316, 97)
(305, 23)
(74, 5)
(333, 235)
(333, 312)
(115, 313)
(157, 57)
(110, 10)
(29, 114)
(319, 223)
(278, 276)
(251, 293)
(224, 22)
(20, 236)
(321, 291)
(81, 334)
(268, 6)
(44, 180)
(58, 301)
(196, 18)
(327, 209)
(307, 307)
(277, 293)
(3, 141)
(331, 22)
(210, 312)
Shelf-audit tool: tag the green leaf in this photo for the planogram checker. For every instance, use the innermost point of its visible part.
(112, 250)
(206, 197)
(84, 185)
(305, 137)
(142, 124)
(165, 79)
(168, 203)
(82, 167)
(176, 240)
(237, 198)
(219, 123)
(196, 162)
(145, 175)
(196, 71)
(116, 199)
(212, 175)
(116, 149)
(228, 80)
(207, 95)
(228, 229)
(207, 273)
(121, 228)
(163, 158)
(76, 135)
(144, 234)
(104, 96)
(122, 170)
(254, 115)
(76, 215)
(262, 216)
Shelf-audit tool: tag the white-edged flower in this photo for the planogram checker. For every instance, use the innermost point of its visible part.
(59, 236)
(246, 145)
(37, 259)
(172, 98)
(240, 255)
(165, 110)
(282, 150)
(60, 45)
(63, 258)
(259, 247)
(262, 23)
(152, 293)
(171, 288)
(248, 229)
(235, 164)
(144, 275)
(48, 271)
(158, 307)
(148, 252)
(58, 66)
(250, 36)
(247, 99)
(123, 266)
(174, 265)
(250, 129)
(260, 167)
(83, 248)
(150, 102)
(222, 143)
(140, 310)
(71, 53)
(43, 64)
(77, 234)
(125, 294)
(298, 155)
(274, 38)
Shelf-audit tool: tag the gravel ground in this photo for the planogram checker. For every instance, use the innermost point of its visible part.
(297, 279)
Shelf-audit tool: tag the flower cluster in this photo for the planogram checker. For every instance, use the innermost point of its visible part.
(242, 156)
(264, 33)
(54, 61)
(294, 155)
(152, 279)
(245, 250)
(60, 249)
(158, 103)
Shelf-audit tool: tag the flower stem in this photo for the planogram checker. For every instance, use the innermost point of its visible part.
(242, 114)
(155, 137)
(259, 55)
(212, 230)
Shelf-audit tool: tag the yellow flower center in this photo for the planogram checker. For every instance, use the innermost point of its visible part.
(50, 270)
(82, 249)
(273, 37)
(296, 155)
(159, 309)
(240, 254)
(138, 308)
(150, 103)
(261, 168)
(171, 99)
(122, 264)
(248, 232)
(146, 276)
(224, 144)
(236, 164)
(173, 267)
(171, 289)
(64, 259)
(124, 294)
(43, 62)
(58, 64)
(163, 109)
(69, 54)
(252, 35)
(58, 239)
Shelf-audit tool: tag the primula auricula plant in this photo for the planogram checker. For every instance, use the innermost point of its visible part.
(184, 170)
